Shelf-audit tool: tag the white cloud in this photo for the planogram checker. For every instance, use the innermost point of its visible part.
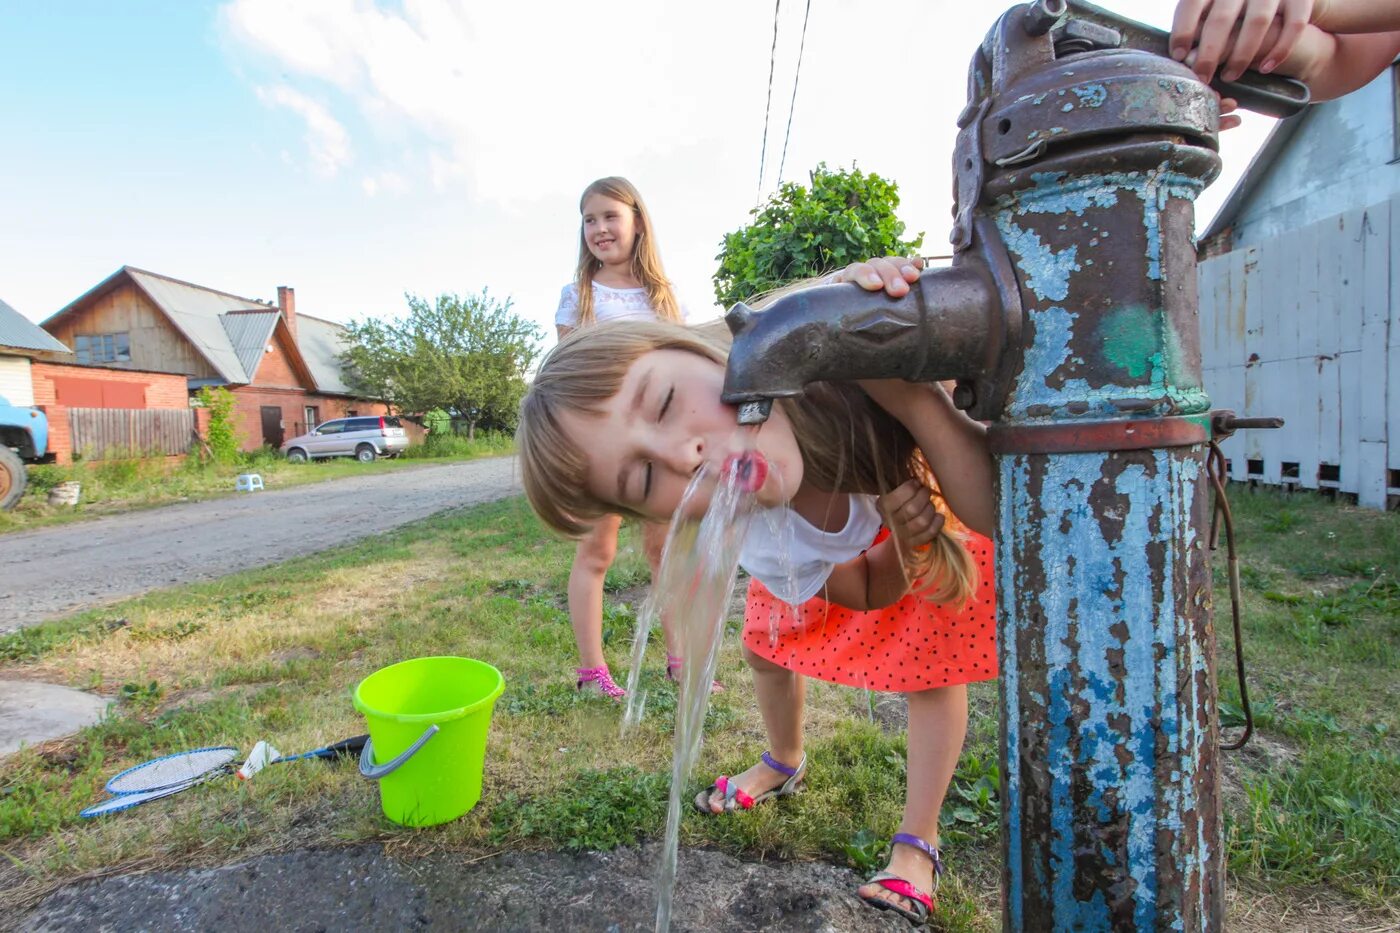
(327, 142)
(506, 110)
(387, 182)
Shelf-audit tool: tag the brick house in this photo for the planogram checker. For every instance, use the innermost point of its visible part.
(100, 412)
(282, 367)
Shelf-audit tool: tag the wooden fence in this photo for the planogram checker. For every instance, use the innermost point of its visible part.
(121, 433)
(1304, 327)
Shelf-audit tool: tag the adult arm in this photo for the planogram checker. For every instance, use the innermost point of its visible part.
(1334, 46)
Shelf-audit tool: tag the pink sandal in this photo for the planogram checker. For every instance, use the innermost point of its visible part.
(734, 797)
(673, 673)
(600, 680)
(923, 903)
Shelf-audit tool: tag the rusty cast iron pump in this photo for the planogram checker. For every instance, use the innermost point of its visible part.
(1069, 321)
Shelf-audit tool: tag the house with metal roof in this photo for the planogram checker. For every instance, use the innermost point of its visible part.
(20, 341)
(1299, 318)
(282, 367)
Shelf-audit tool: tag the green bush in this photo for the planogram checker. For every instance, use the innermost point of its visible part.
(845, 216)
(484, 444)
(223, 443)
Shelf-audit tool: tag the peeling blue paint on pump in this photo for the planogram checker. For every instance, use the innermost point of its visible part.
(1108, 689)
(1107, 673)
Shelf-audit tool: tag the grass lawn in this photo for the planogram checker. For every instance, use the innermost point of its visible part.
(1311, 803)
(110, 486)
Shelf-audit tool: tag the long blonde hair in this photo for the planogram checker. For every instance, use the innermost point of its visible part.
(646, 255)
(848, 443)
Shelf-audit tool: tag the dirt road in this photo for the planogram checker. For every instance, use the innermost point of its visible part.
(53, 571)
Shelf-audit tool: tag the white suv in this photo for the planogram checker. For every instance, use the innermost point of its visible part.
(361, 438)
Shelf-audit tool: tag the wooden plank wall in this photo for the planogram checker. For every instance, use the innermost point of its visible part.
(1305, 327)
(156, 345)
(123, 433)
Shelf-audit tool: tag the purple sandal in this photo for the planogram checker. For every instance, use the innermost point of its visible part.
(600, 680)
(734, 796)
(923, 903)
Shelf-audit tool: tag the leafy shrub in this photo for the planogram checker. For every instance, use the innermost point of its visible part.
(223, 443)
(845, 216)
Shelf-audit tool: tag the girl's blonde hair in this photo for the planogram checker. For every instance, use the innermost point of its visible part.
(646, 255)
(848, 443)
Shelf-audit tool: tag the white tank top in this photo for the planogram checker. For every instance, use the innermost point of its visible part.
(793, 557)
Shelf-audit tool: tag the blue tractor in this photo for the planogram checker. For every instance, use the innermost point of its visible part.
(24, 437)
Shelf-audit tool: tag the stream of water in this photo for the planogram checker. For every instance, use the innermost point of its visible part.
(698, 570)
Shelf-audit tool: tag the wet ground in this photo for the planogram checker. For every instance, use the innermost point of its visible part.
(362, 888)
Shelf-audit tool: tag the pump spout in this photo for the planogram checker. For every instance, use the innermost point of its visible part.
(942, 329)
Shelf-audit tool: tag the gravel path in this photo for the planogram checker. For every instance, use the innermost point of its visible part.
(54, 571)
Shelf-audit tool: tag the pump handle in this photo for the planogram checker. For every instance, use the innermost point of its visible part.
(1272, 95)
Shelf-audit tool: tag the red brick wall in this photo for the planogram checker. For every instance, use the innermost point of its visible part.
(274, 368)
(161, 390)
(249, 400)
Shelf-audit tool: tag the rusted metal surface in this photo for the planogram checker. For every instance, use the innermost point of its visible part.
(957, 322)
(1109, 801)
(1110, 816)
(821, 331)
(1078, 437)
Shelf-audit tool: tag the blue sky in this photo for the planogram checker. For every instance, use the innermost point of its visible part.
(357, 150)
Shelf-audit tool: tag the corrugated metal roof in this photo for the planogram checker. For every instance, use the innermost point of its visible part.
(19, 332)
(321, 344)
(231, 332)
(250, 332)
(197, 313)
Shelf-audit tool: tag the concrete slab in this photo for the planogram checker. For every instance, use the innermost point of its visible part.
(32, 712)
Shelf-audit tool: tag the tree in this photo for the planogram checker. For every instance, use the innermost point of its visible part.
(466, 354)
(845, 216)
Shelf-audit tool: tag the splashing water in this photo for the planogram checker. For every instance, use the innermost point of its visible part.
(699, 566)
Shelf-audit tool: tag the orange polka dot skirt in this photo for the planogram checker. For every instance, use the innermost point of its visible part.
(912, 645)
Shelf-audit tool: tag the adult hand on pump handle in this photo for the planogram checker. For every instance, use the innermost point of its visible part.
(1333, 46)
(1233, 35)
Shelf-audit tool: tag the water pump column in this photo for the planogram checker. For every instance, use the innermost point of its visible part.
(1089, 161)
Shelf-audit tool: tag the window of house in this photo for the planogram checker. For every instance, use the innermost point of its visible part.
(102, 348)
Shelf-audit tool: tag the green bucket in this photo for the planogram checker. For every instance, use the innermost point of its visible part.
(427, 730)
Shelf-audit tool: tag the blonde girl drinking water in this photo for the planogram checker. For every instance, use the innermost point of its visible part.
(620, 418)
(619, 278)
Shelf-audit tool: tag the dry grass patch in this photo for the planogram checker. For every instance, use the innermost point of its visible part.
(276, 653)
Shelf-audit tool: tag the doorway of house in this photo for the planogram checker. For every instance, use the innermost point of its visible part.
(272, 426)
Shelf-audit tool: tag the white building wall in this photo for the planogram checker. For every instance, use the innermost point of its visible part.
(16, 384)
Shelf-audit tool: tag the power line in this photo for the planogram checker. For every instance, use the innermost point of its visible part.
(793, 105)
(768, 106)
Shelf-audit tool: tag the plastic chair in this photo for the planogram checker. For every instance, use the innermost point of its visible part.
(248, 482)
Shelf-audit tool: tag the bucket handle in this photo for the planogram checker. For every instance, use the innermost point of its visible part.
(374, 772)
